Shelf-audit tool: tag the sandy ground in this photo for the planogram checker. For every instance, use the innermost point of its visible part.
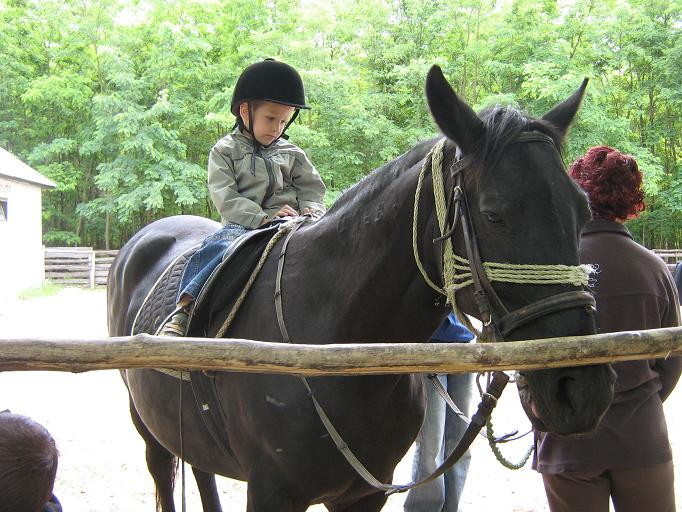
(102, 466)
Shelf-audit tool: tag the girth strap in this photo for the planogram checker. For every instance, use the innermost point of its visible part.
(208, 403)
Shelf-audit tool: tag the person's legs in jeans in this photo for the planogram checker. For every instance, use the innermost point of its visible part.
(428, 454)
(202, 263)
(459, 388)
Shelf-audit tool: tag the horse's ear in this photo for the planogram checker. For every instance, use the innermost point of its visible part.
(455, 118)
(562, 115)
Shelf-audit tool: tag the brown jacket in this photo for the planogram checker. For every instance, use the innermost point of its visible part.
(634, 290)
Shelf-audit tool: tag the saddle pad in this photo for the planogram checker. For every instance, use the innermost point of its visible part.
(160, 301)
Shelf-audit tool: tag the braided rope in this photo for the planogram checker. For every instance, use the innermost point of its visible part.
(501, 458)
(415, 216)
(457, 271)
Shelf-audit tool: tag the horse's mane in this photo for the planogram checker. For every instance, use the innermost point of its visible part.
(502, 124)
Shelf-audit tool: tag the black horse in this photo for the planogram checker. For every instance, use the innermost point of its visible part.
(351, 277)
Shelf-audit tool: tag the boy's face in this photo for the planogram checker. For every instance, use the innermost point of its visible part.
(269, 120)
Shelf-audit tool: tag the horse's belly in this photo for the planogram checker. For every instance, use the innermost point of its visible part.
(156, 398)
(279, 436)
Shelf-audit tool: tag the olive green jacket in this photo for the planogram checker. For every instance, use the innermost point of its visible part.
(248, 188)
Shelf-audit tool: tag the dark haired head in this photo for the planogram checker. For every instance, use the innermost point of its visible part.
(28, 464)
(612, 181)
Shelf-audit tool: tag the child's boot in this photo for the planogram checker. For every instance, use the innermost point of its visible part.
(177, 325)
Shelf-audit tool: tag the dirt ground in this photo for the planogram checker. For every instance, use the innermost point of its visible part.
(102, 466)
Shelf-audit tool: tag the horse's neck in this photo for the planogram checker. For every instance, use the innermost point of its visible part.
(366, 245)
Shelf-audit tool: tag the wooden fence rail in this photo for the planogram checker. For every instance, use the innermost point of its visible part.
(80, 266)
(145, 351)
(669, 255)
(84, 266)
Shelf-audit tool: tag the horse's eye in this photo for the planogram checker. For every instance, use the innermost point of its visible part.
(493, 218)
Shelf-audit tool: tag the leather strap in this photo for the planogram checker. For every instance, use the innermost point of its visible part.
(278, 282)
(485, 408)
(493, 313)
(206, 397)
(453, 407)
(552, 304)
(478, 420)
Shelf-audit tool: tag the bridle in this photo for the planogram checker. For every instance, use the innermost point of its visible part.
(459, 272)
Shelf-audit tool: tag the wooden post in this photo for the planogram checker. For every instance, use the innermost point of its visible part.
(92, 269)
(145, 351)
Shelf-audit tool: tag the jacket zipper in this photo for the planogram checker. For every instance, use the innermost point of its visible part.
(271, 177)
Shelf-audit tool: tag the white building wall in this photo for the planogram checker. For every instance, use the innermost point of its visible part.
(21, 249)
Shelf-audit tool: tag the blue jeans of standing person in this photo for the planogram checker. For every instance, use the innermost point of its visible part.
(440, 433)
(204, 261)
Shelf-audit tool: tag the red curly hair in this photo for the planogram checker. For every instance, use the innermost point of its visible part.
(612, 181)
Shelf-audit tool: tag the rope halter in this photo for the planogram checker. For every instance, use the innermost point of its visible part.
(459, 272)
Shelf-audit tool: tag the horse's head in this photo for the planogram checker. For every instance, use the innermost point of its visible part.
(516, 206)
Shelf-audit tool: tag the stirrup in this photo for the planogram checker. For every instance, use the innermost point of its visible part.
(177, 325)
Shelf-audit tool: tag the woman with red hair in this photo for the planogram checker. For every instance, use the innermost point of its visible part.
(628, 458)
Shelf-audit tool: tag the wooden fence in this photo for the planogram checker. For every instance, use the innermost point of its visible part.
(81, 266)
(145, 351)
(670, 256)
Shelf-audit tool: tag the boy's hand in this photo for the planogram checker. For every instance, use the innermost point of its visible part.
(286, 211)
(313, 213)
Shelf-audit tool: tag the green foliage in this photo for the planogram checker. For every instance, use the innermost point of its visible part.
(120, 101)
(47, 289)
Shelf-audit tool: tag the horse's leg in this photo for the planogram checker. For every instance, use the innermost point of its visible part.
(208, 491)
(265, 496)
(161, 464)
(371, 503)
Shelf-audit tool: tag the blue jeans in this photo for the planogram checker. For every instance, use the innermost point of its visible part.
(203, 262)
(440, 433)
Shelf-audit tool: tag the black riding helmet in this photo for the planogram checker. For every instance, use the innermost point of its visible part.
(268, 80)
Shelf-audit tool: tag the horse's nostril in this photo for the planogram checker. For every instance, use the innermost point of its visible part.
(566, 391)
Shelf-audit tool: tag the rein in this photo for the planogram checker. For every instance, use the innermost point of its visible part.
(459, 272)
(478, 420)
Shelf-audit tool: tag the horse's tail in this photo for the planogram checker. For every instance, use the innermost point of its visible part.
(171, 483)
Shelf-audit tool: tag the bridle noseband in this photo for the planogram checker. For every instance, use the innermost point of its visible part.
(497, 320)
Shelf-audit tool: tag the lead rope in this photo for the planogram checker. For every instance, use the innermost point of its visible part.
(493, 441)
(501, 458)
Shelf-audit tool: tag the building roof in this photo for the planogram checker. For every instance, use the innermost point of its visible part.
(13, 168)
